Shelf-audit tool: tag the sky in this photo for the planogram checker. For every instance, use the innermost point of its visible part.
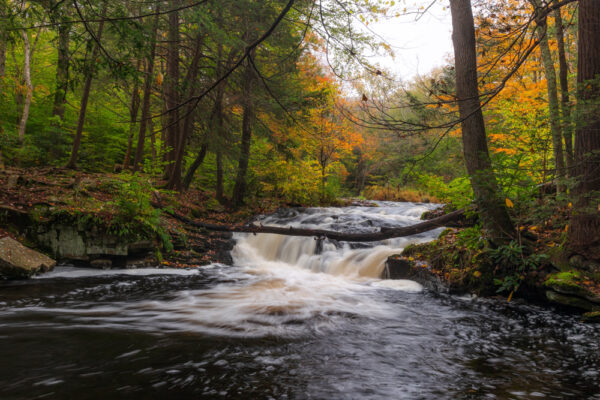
(419, 46)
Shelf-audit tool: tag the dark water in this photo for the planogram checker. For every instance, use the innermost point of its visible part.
(229, 332)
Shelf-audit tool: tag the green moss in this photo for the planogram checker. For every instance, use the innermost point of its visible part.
(421, 250)
(445, 232)
(570, 283)
(567, 280)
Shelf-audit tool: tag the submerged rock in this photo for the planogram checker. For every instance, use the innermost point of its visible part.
(400, 267)
(18, 261)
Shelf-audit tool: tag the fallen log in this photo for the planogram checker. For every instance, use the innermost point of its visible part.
(384, 233)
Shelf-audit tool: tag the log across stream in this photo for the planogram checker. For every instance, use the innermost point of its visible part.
(382, 234)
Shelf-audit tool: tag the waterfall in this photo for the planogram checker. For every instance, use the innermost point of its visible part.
(264, 251)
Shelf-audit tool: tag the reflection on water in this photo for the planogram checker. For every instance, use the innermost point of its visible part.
(285, 322)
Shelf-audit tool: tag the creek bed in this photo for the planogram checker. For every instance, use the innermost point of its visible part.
(289, 320)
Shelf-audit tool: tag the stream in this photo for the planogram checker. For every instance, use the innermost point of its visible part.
(291, 319)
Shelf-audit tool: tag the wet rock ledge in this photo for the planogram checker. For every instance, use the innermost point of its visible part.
(18, 261)
(83, 240)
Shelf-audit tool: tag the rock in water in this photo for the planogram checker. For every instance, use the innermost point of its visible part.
(18, 261)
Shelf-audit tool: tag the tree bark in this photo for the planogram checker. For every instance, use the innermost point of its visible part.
(62, 71)
(563, 68)
(27, 78)
(215, 128)
(18, 94)
(175, 182)
(149, 70)
(187, 180)
(219, 192)
(3, 44)
(383, 234)
(490, 204)
(134, 108)
(172, 90)
(584, 232)
(553, 108)
(3, 40)
(85, 97)
(2, 55)
(247, 120)
(152, 139)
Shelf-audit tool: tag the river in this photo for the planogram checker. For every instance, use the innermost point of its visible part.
(290, 320)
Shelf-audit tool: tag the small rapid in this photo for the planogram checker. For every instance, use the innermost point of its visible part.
(293, 318)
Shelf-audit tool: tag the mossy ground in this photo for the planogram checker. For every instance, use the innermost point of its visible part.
(463, 269)
(121, 205)
(468, 265)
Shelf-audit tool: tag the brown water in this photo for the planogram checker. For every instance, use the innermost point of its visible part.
(285, 323)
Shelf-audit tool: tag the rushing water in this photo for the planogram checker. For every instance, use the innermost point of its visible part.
(285, 323)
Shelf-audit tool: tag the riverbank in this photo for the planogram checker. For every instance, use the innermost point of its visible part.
(110, 220)
(113, 221)
(537, 267)
(117, 220)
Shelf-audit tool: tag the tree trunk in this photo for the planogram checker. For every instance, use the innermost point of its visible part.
(219, 192)
(152, 139)
(62, 72)
(563, 74)
(172, 90)
(134, 107)
(383, 234)
(247, 120)
(493, 213)
(27, 78)
(18, 94)
(2, 54)
(89, 75)
(146, 118)
(187, 181)
(188, 118)
(553, 108)
(584, 232)
(3, 41)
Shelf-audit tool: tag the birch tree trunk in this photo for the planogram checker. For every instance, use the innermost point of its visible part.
(27, 51)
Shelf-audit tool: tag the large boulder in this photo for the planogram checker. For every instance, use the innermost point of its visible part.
(18, 261)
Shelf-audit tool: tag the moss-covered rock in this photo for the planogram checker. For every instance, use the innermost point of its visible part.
(571, 283)
(569, 301)
(573, 289)
(462, 269)
(591, 317)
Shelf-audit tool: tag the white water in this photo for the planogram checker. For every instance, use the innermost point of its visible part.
(278, 285)
(270, 252)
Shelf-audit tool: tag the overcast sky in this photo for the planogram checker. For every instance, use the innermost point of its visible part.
(419, 46)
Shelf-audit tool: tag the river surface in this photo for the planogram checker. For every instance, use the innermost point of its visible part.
(290, 320)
